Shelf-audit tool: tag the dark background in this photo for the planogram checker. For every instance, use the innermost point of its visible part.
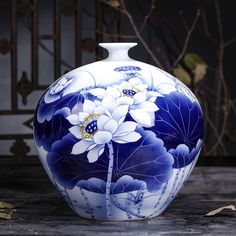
(42, 39)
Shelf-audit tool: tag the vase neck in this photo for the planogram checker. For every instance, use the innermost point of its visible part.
(117, 51)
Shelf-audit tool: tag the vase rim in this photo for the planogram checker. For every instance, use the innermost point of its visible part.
(118, 44)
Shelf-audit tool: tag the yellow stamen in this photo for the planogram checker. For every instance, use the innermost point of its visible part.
(84, 123)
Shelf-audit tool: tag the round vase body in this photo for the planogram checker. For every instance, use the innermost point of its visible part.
(118, 137)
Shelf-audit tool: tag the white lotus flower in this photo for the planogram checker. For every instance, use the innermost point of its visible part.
(134, 92)
(57, 89)
(99, 124)
(60, 85)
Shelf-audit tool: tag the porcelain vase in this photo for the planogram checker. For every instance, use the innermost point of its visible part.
(118, 137)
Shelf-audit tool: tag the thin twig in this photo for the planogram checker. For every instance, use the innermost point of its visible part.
(187, 39)
(140, 38)
(220, 63)
(145, 20)
(215, 131)
(206, 32)
(221, 83)
(109, 27)
(184, 20)
(160, 27)
(219, 22)
(221, 92)
(205, 24)
(233, 105)
(229, 42)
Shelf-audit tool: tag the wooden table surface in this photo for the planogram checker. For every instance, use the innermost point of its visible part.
(41, 211)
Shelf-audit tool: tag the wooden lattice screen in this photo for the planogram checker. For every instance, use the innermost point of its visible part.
(23, 39)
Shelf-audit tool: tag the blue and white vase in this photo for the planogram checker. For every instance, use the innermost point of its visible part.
(118, 137)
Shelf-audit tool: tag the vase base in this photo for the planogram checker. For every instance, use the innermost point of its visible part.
(112, 219)
(117, 216)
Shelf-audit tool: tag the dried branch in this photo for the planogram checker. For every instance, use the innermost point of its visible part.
(215, 145)
(184, 21)
(219, 22)
(215, 132)
(187, 39)
(233, 106)
(164, 31)
(206, 27)
(145, 20)
(109, 25)
(229, 42)
(227, 107)
(221, 85)
(220, 63)
(123, 9)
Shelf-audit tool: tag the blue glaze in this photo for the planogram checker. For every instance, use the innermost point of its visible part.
(118, 152)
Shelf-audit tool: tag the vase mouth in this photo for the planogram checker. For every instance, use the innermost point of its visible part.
(118, 44)
(118, 51)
